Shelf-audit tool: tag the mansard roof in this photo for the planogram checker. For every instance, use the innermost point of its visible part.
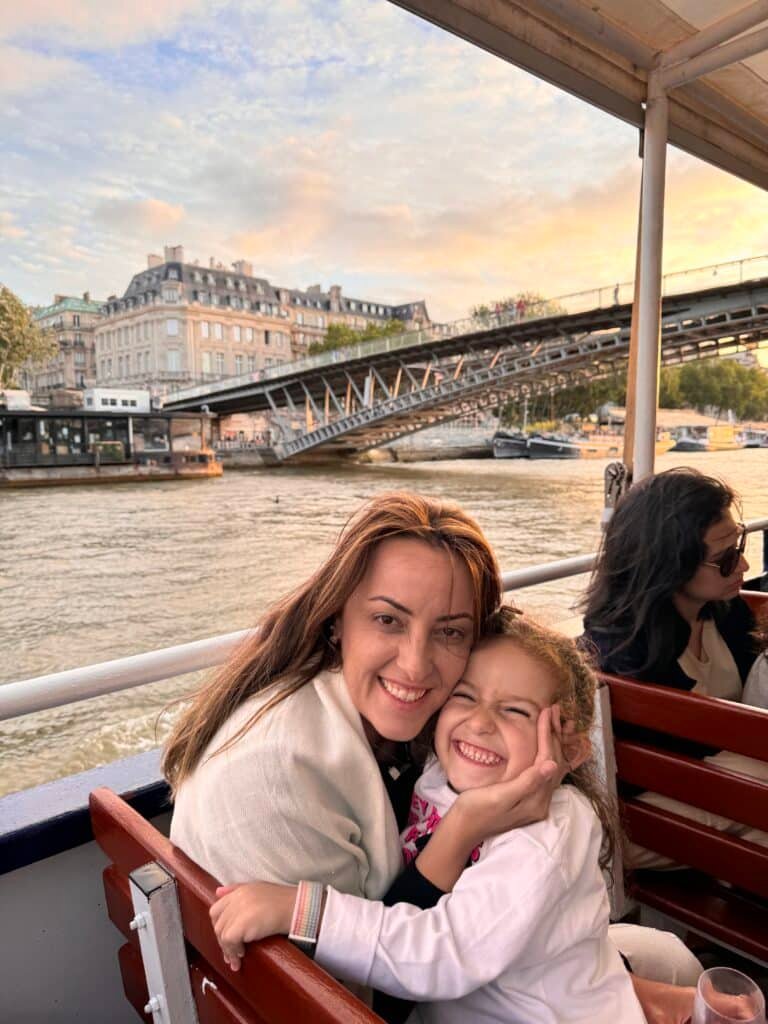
(225, 283)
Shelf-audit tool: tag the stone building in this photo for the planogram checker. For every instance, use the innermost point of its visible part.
(73, 322)
(180, 323)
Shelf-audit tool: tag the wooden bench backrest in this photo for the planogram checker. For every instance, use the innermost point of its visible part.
(277, 984)
(737, 916)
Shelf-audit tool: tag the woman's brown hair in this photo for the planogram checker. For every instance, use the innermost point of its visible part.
(294, 641)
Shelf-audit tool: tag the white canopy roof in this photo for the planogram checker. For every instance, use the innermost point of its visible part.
(601, 51)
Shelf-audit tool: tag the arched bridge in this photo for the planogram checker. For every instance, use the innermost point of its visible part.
(352, 399)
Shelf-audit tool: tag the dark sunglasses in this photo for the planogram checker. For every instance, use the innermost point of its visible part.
(727, 561)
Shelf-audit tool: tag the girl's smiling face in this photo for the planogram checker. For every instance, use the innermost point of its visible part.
(486, 732)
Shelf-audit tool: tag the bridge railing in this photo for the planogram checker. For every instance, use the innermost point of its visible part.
(620, 293)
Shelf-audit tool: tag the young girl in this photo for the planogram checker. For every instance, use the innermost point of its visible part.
(523, 935)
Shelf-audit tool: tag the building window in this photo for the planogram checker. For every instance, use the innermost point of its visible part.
(217, 332)
(173, 274)
(219, 362)
(251, 364)
(146, 330)
(79, 358)
(172, 328)
(238, 365)
(249, 334)
(76, 320)
(207, 362)
(173, 360)
(237, 333)
(205, 329)
(170, 295)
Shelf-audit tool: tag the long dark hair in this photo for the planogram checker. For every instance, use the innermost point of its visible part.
(653, 545)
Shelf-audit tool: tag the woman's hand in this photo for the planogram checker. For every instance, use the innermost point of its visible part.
(248, 912)
(480, 813)
(663, 1003)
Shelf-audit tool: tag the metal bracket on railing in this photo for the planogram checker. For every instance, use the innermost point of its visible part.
(618, 480)
(158, 923)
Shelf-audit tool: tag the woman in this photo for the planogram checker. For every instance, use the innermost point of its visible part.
(663, 603)
(285, 767)
(663, 606)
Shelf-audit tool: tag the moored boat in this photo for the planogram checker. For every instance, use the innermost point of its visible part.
(49, 447)
(721, 437)
(510, 445)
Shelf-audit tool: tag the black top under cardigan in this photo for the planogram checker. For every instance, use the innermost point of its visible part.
(735, 623)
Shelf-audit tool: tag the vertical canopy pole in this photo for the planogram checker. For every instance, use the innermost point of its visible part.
(649, 305)
(629, 416)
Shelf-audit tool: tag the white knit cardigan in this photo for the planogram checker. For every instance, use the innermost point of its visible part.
(298, 796)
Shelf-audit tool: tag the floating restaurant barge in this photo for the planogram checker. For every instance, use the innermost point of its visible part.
(57, 446)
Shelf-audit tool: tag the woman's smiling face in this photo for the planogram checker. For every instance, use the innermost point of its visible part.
(487, 730)
(405, 633)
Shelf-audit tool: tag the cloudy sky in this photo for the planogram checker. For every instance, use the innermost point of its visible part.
(327, 141)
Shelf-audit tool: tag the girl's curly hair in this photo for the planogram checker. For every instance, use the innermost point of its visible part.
(576, 689)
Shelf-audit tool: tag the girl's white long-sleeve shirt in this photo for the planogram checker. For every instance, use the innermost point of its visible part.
(521, 939)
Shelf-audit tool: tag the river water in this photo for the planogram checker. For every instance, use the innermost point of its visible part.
(88, 574)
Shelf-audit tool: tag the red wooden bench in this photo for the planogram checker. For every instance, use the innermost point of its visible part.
(734, 914)
(277, 984)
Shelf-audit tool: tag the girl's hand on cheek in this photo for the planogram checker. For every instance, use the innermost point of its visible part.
(249, 912)
(489, 810)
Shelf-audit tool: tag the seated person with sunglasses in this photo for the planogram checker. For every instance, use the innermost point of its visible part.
(663, 606)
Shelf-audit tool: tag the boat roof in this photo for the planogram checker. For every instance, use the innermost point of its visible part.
(602, 52)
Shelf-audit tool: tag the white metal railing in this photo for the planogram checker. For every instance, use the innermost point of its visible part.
(69, 687)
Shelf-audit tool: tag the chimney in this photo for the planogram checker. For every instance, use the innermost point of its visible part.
(212, 263)
(58, 298)
(174, 253)
(153, 260)
(314, 289)
(243, 267)
(86, 296)
(335, 294)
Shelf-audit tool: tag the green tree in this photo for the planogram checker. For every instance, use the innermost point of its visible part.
(723, 385)
(341, 335)
(535, 305)
(669, 388)
(21, 340)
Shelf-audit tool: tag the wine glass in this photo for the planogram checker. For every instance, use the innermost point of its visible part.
(724, 996)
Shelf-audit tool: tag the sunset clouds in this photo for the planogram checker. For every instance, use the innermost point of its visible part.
(333, 141)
